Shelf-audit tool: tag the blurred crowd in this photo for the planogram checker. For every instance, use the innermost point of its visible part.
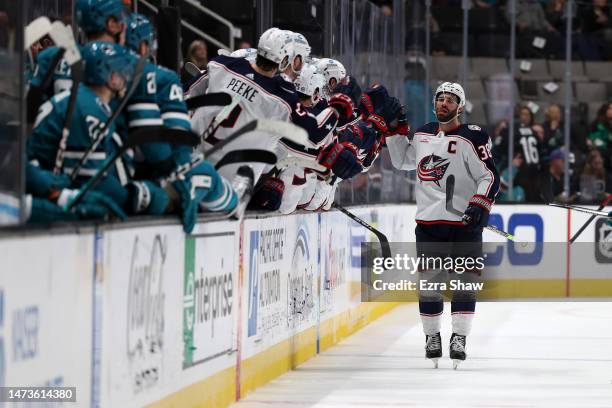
(539, 157)
(535, 19)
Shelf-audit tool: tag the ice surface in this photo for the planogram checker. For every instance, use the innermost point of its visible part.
(546, 354)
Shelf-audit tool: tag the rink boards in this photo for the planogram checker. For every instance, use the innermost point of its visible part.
(140, 314)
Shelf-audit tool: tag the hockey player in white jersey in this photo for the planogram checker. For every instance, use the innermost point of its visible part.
(298, 178)
(261, 93)
(438, 150)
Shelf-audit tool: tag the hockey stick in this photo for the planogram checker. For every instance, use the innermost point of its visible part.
(581, 209)
(135, 82)
(158, 134)
(277, 128)
(382, 238)
(450, 190)
(192, 69)
(209, 99)
(591, 218)
(76, 72)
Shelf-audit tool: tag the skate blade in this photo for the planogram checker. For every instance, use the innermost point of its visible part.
(434, 361)
(456, 363)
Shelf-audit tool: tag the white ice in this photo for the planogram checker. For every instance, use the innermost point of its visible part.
(520, 354)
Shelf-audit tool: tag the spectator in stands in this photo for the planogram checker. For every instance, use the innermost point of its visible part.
(600, 136)
(243, 44)
(530, 16)
(518, 193)
(531, 22)
(551, 182)
(556, 14)
(553, 128)
(594, 183)
(500, 144)
(595, 27)
(198, 54)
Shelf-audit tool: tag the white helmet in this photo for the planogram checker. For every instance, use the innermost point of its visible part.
(247, 53)
(451, 88)
(309, 82)
(274, 45)
(331, 69)
(299, 48)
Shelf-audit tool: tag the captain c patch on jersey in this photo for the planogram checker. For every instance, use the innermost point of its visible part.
(432, 168)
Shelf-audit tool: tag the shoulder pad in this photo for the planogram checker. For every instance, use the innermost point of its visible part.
(431, 127)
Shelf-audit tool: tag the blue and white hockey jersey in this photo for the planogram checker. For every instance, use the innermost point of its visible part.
(464, 152)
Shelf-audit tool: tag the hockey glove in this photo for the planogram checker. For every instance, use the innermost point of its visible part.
(268, 194)
(476, 215)
(43, 183)
(93, 205)
(341, 158)
(400, 125)
(343, 105)
(378, 122)
(372, 99)
(352, 89)
(389, 110)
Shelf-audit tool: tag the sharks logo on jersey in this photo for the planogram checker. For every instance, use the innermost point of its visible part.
(432, 168)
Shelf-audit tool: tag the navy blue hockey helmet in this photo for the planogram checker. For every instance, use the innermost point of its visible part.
(102, 59)
(139, 29)
(91, 15)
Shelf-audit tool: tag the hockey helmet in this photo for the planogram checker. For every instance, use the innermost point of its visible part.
(274, 45)
(102, 59)
(139, 29)
(247, 53)
(331, 69)
(451, 88)
(91, 15)
(299, 48)
(309, 82)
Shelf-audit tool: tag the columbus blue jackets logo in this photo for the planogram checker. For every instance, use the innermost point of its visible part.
(432, 168)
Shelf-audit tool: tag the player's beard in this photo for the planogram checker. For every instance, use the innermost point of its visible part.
(450, 115)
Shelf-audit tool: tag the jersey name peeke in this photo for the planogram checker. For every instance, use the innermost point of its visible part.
(243, 89)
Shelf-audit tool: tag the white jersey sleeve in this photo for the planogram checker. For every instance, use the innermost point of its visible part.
(402, 152)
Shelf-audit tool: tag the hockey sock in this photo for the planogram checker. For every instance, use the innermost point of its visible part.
(431, 315)
(462, 313)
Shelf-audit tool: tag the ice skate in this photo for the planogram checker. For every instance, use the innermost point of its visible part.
(457, 349)
(433, 348)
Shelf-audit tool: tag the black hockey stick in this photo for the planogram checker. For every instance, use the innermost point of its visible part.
(591, 218)
(76, 71)
(581, 209)
(450, 190)
(209, 99)
(150, 134)
(382, 238)
(102, 135)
